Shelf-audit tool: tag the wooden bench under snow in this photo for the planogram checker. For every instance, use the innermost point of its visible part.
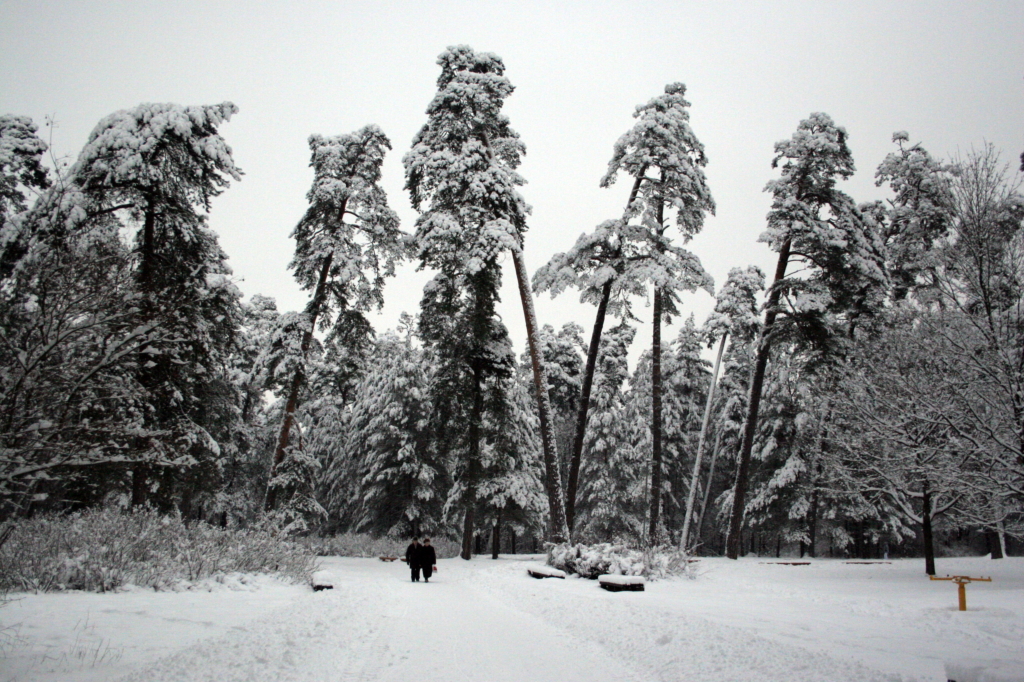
(622, 583)
(322, 580)
(544, 572)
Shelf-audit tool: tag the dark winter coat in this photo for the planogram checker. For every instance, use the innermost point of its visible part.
(412, 553)
(426, 556)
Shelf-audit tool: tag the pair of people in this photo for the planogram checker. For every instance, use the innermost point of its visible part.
(421, 557)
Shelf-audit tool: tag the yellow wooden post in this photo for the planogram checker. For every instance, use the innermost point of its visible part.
(961, 586)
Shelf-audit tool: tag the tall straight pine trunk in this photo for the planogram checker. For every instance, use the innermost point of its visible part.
(314, 309)
(695, 479)
(655, 514)
(146, 269)
(756, 386)
(926, 529)
(473, 466)
(588, 383)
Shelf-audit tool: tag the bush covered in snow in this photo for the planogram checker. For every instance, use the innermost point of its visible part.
(365, 545)
(590, 561)
(105, 549)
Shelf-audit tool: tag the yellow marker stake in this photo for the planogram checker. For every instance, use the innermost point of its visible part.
(961, 582)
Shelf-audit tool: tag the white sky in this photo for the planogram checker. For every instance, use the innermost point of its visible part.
(950, 73)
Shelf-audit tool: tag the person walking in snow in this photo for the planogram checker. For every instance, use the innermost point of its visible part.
(427, 559)
(412, 553)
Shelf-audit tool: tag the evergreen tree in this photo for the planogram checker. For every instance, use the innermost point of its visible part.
(662, 143)
(157, 167)
(346, 244)
(919, 215)
(614, 474)
(812, 221)
(402, 485)
(564, 366)
(461, 176)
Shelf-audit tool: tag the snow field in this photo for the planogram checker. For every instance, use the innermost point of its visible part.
(489, 620)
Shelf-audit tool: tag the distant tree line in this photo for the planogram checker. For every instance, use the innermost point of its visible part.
(867, 399)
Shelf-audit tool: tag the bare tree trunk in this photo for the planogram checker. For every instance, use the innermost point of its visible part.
(695, 479)
(496, 537)
(655, 515)
(473, 466)
(750, 427)
(558, 528)
(926, 529)
(707, 489)
(314, 309)
(588, 382)
(581, 415)
(147, 265)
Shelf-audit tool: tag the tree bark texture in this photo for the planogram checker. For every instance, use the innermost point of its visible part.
(754, 404)
(473, 466)
(588, 383)
(147, 265)
(695, 479)
(314, 309)
(581, 415)
(655, 514)
(926, 529)
(707, 488)
(558, 529)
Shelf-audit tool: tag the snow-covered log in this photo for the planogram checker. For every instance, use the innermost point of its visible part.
(622, 583)
(538, 571)
(322, 580)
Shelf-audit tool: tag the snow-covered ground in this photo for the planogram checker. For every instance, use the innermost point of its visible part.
(488, 620)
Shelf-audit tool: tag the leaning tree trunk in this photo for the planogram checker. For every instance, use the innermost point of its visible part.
(692, 497)
(707, 488)
(750, 427)
(559, 530)
(926, 529)
(588, 383)
(315, 307)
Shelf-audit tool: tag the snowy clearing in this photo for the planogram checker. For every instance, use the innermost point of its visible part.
(489, 620)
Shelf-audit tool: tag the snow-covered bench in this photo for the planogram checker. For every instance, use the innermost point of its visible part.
(622, 583)
(538, 571)
(322, 580)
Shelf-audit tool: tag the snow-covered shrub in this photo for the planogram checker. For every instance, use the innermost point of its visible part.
(366, 545)
(590, 561)
(104, 549)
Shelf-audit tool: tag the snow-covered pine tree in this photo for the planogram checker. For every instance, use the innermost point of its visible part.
(461, 176)
(663, 144)
(462, 165)
(511, 490)
(614, 474)
(605, 266)
(401, 484)
(346, 244)
(735, 314)
(919, 214)
(813, 222)
(21, 173)
(157, 167)
(564, 366)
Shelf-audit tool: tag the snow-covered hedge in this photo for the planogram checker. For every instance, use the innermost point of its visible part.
(104, 549)
(365, 545)
(591, 561)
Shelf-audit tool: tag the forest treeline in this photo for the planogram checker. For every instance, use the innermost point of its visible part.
(867, 397)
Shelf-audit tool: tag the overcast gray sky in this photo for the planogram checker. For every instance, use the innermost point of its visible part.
(950, 73)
